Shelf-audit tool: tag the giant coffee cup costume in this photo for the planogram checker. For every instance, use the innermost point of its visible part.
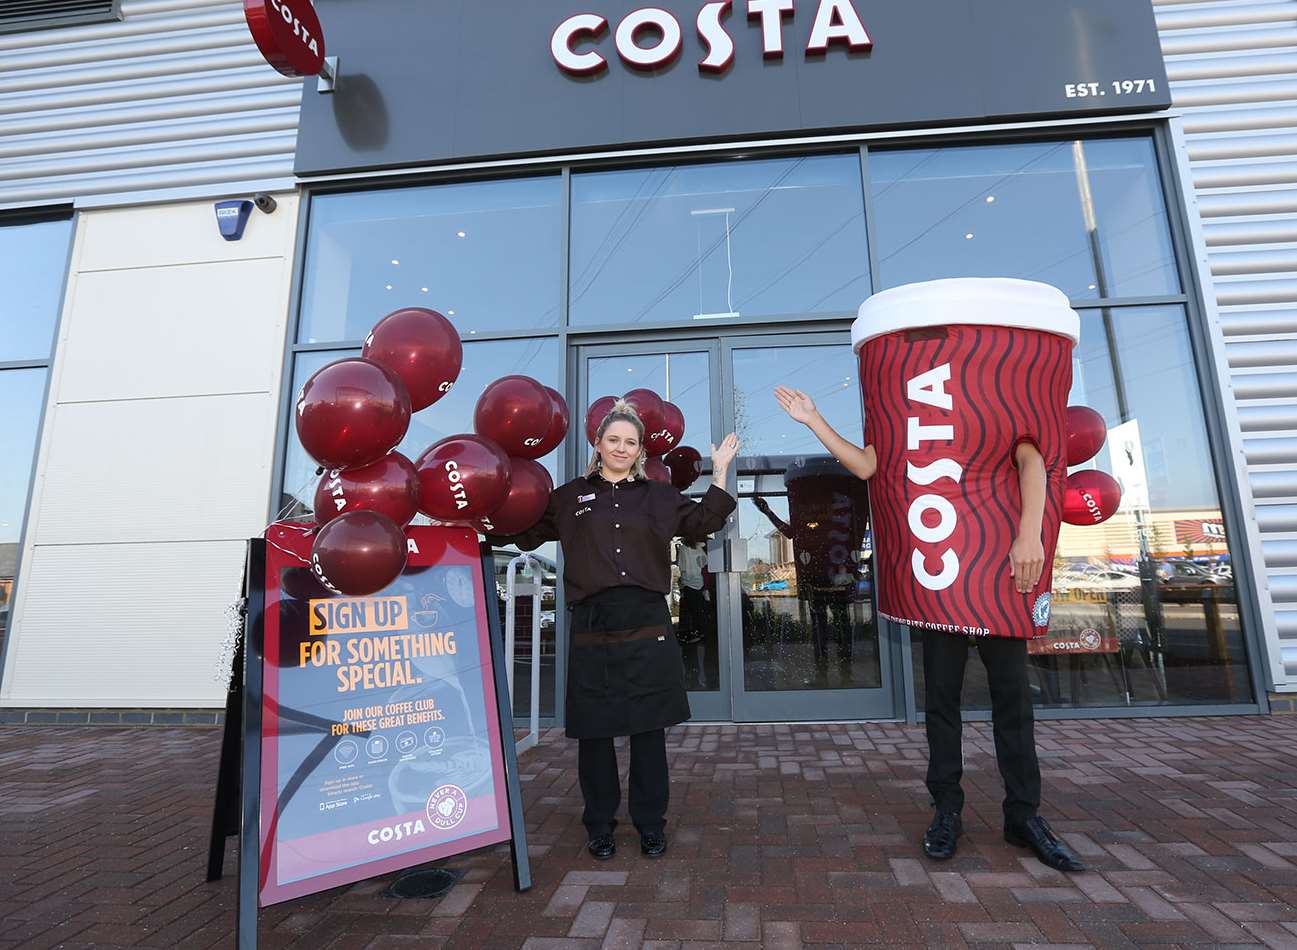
(965, 386)
(625, 675)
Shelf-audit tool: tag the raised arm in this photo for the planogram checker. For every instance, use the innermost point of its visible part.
(860, 462)
(1027, 556)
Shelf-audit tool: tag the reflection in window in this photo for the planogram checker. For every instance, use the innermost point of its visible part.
(1085, 216)
(826, 373)
(451, 415)
(700, 242)
(486, 254)
(21, 393)
(1145, 610)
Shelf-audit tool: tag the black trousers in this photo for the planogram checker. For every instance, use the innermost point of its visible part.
(650, 787)
(944, 657)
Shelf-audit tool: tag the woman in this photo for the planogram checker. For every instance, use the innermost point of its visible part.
(625, 675)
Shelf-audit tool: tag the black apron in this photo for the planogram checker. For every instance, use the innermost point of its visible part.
(624, 673)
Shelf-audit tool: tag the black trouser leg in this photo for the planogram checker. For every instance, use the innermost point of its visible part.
(944, 658)
(1014, 725)
(597, 768)
(650, 785)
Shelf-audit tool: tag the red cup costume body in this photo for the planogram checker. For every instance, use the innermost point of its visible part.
(955, 375)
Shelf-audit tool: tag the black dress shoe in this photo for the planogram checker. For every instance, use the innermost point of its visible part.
(602, 847)
(940, 840)
(653, 844)
(1035, 833)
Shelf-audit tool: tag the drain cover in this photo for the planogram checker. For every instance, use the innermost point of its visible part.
(424, 883)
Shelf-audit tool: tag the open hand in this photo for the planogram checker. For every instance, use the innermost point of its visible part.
(723, 454)
(796, 403)
(1026, 563)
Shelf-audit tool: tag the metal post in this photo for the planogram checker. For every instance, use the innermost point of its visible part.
(512, 589)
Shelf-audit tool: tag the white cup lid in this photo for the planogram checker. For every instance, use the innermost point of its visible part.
(980, 301)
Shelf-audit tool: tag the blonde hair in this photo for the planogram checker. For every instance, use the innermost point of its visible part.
(622, 411)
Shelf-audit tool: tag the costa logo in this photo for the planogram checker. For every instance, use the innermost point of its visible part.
(456, 484)
(1092, 506)
(532, 442)
(929, 388)
(288, 34)
(664, 434)
(406, 829)
(836, 23)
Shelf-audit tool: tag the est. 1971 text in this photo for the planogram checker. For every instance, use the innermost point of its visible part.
(1118, 87)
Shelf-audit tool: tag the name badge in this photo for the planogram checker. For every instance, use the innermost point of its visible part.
(582, 499)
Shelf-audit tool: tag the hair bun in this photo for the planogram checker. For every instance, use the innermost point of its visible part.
(622, 406)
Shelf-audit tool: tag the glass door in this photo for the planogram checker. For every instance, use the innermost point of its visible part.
(808, 641)
(687, 374)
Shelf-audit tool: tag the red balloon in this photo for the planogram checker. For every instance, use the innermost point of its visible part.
(422, 348)
(595, 415)
(352, 412)
(1086, 432)
(462, 478)
(558, 424)
(659, 441)
(1090, 497)
(529, 490)
(657, 470)
(516, 413)
(390, 486)
(359, 553)
(685, 464)
(649, 406)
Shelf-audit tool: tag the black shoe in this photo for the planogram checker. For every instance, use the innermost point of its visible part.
(653, 844)
(1035, 833)
(940, 840)
(602, 847)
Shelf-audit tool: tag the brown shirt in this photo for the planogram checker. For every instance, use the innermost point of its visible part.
(616, 534)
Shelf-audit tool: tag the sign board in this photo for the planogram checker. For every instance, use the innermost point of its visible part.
(288, 33)
(445, 82)
(377, 732)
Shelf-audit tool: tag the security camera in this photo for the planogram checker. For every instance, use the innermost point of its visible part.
(264, 202)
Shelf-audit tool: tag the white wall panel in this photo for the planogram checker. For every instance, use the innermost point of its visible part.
(123, 624)
(1233, 71)
(155, 457)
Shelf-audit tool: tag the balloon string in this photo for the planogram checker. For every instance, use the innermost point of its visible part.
(305, 529)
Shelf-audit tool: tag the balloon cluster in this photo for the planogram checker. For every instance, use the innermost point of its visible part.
(1089, 497)
(664, 426)
(353, 413)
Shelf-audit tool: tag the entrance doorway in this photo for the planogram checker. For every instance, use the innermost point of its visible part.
(776, 613)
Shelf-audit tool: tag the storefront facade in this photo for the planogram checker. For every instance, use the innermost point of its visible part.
(606, 207)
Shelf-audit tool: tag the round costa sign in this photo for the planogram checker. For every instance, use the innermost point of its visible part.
(288, 34)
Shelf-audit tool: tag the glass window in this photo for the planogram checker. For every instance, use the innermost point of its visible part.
(33, 260)
(484, 362)
(486, 254)
(1145, 609)
(698, 242)
(22, 392)
(1085, 216)
(829, 375)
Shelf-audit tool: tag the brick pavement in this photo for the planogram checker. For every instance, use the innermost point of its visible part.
(782, 837)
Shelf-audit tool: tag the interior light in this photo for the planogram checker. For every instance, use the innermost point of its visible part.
(968, 236)
(389, 286)
(1091, 287)
(451, 312)
(461, 234)
(990, 199)
(424, 290)
(395, 262)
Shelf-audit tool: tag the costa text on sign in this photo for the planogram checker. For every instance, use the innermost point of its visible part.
(836, 22)
(288, 34)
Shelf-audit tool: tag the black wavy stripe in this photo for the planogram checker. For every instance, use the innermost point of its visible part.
(1000, 529)
(974, 463)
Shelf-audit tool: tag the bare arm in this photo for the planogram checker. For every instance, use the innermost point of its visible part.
(1027, 556)
(860, 462)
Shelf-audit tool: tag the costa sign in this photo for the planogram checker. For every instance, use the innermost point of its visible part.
(651, 38)
(288, 34)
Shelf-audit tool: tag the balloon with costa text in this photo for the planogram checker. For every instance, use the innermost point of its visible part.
(657, 471)
(422, 348)
(352, 412)
(359, 553)
(390, 486)
(1090, 497)
(595, 415)
(559, 422)
(1086, 432)
(516, 413)
(662, 440)
(648, 405)
(685, 464)
(462, 478)
(529, 490)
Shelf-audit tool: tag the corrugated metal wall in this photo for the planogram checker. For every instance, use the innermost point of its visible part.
(1233, 71)
(173, 96)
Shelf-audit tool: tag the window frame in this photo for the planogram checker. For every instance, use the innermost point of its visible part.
(32, 23)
